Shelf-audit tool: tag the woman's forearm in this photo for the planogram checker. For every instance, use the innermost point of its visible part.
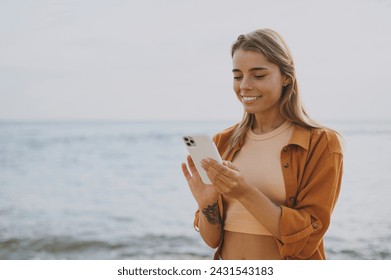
(263, 209)
(210, 225)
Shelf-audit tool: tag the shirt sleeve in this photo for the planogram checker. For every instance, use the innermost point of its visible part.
(303, 226)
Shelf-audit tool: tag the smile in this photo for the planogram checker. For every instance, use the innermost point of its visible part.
(250, 98)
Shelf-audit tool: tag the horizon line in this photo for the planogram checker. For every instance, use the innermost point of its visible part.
(17, 120)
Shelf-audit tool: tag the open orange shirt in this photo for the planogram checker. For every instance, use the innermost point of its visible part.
(312, 164)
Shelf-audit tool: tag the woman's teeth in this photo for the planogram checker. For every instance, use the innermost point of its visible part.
(249, 99)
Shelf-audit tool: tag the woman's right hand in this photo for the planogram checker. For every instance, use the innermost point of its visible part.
(204, 194)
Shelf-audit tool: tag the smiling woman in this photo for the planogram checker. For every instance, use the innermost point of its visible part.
(273, 196)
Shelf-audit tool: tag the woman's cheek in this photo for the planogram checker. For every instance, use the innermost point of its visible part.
(236, 89)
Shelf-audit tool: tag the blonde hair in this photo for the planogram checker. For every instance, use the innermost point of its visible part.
(274, 48)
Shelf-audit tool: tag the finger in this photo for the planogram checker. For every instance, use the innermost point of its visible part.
(210, 165)
(230, 165)
(215, 175)
(186, 172)
(220, 185)
(192, 166)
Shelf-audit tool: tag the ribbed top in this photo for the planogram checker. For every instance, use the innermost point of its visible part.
(260, 164)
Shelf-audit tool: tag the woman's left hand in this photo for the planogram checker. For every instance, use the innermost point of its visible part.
(225, 177)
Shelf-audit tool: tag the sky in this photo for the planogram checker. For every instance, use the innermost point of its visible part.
(170, 60)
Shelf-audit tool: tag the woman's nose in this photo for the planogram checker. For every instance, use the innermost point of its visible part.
(245, 84)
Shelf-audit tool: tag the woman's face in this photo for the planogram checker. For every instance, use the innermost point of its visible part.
(257, 82)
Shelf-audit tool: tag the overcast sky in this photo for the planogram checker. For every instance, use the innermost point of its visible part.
(138, 60)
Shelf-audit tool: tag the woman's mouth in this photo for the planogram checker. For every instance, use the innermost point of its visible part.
(250, 99)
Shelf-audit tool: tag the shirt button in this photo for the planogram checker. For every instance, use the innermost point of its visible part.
(286, 165)
(315, 225)
(292, 198)
(285, 149)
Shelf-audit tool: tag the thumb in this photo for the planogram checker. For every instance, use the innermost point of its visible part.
(230, 165)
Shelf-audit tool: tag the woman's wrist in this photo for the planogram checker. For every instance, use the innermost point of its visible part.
(207, 202)
(211, 213)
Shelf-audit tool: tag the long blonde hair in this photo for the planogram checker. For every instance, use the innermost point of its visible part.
(274, 48)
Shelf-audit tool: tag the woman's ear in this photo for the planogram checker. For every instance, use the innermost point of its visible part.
(287, 81)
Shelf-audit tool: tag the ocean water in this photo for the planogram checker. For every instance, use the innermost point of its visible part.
(114, 190)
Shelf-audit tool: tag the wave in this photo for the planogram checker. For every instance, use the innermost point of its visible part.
(134, 247)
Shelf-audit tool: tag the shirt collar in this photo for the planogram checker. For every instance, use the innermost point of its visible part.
(300, 137)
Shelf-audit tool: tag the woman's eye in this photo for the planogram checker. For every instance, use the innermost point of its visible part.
(237, 78)
(259, 76)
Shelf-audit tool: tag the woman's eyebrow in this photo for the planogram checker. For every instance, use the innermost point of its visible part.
(252, 69)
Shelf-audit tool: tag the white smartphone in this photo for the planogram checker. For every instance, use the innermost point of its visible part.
(201, 146)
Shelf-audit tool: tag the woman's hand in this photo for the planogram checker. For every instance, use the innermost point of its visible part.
(204, 194)
(225, 177)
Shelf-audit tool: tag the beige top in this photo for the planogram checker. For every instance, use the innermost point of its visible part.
(259, 162)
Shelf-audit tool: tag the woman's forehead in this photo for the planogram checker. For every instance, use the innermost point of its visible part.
(246, 60)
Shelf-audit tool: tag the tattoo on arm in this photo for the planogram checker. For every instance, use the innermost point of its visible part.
(211, 212)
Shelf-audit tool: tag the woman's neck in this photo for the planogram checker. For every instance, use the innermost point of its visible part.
(266, 123)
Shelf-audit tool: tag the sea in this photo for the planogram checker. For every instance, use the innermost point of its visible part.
(115, 191)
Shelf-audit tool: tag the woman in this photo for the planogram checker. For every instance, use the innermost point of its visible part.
(273, 196)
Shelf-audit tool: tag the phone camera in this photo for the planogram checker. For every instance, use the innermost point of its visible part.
(189, 141)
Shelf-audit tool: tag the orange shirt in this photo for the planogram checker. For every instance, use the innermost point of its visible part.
(312, 164)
